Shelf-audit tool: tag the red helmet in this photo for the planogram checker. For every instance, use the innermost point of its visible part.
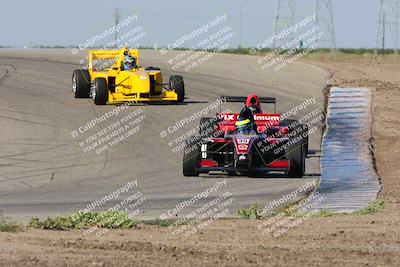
(253, 103)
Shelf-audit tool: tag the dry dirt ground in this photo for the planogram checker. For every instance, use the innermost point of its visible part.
(345, 240)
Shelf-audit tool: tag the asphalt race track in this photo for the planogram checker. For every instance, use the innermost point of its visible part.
(45, 172)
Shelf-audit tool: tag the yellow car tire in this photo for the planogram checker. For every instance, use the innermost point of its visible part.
(100, 91)
(81, 83)
(176, 83)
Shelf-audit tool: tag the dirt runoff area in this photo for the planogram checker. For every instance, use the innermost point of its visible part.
(345, 240)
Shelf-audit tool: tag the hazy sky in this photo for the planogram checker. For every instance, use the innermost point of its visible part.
(72, 22)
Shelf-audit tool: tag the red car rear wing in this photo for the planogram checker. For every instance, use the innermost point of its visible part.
(243, 99)
(250, 99)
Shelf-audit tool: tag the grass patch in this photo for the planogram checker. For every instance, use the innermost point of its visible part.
(106, 219)
(250, 213)
(159, 222)
(322, 214)
(6, 225)
(317, 214)
(373, 207)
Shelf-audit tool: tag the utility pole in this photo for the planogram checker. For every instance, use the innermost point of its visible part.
(388, 26)
(241, 23)
(384, 33)
(324, 20)
(117, 18)
(284, 19)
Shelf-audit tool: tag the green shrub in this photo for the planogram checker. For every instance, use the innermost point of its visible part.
(159, 222)
(6, 225)
(322, 213)
(250, 213)
(373, 207)
(106, 219)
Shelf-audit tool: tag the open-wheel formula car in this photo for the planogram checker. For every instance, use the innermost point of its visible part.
(247, 143)
(125, 80)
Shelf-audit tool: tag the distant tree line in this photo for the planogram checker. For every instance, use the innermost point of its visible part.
(241, 50)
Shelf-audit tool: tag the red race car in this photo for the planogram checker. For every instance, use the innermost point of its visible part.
(247, 143)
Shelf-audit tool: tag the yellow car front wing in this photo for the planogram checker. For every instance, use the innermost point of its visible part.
(140, 97)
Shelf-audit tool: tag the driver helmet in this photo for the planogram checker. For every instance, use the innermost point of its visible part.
(129, 62)
(246, 113)
(244, 125)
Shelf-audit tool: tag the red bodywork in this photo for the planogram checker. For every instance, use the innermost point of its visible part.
(263, 121)
(243, 143)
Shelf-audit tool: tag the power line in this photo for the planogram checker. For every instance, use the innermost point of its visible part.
(249, 17)
(325, 21)
(284, 19)
(388, 26)
(241, 23)
(117, 18)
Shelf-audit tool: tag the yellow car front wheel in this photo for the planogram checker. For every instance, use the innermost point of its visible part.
(100, 91)
(81, 83)
(176, 83)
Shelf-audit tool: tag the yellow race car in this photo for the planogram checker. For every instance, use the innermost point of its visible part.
(124, 80)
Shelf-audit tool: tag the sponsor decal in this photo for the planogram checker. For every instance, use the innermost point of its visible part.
(243, 140)
(257, 117)
(243, 147)
(266, 117)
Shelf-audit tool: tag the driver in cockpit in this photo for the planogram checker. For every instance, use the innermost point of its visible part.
(245, 123)
(129, 63)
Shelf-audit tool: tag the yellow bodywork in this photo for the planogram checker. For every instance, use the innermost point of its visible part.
(136, 85)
